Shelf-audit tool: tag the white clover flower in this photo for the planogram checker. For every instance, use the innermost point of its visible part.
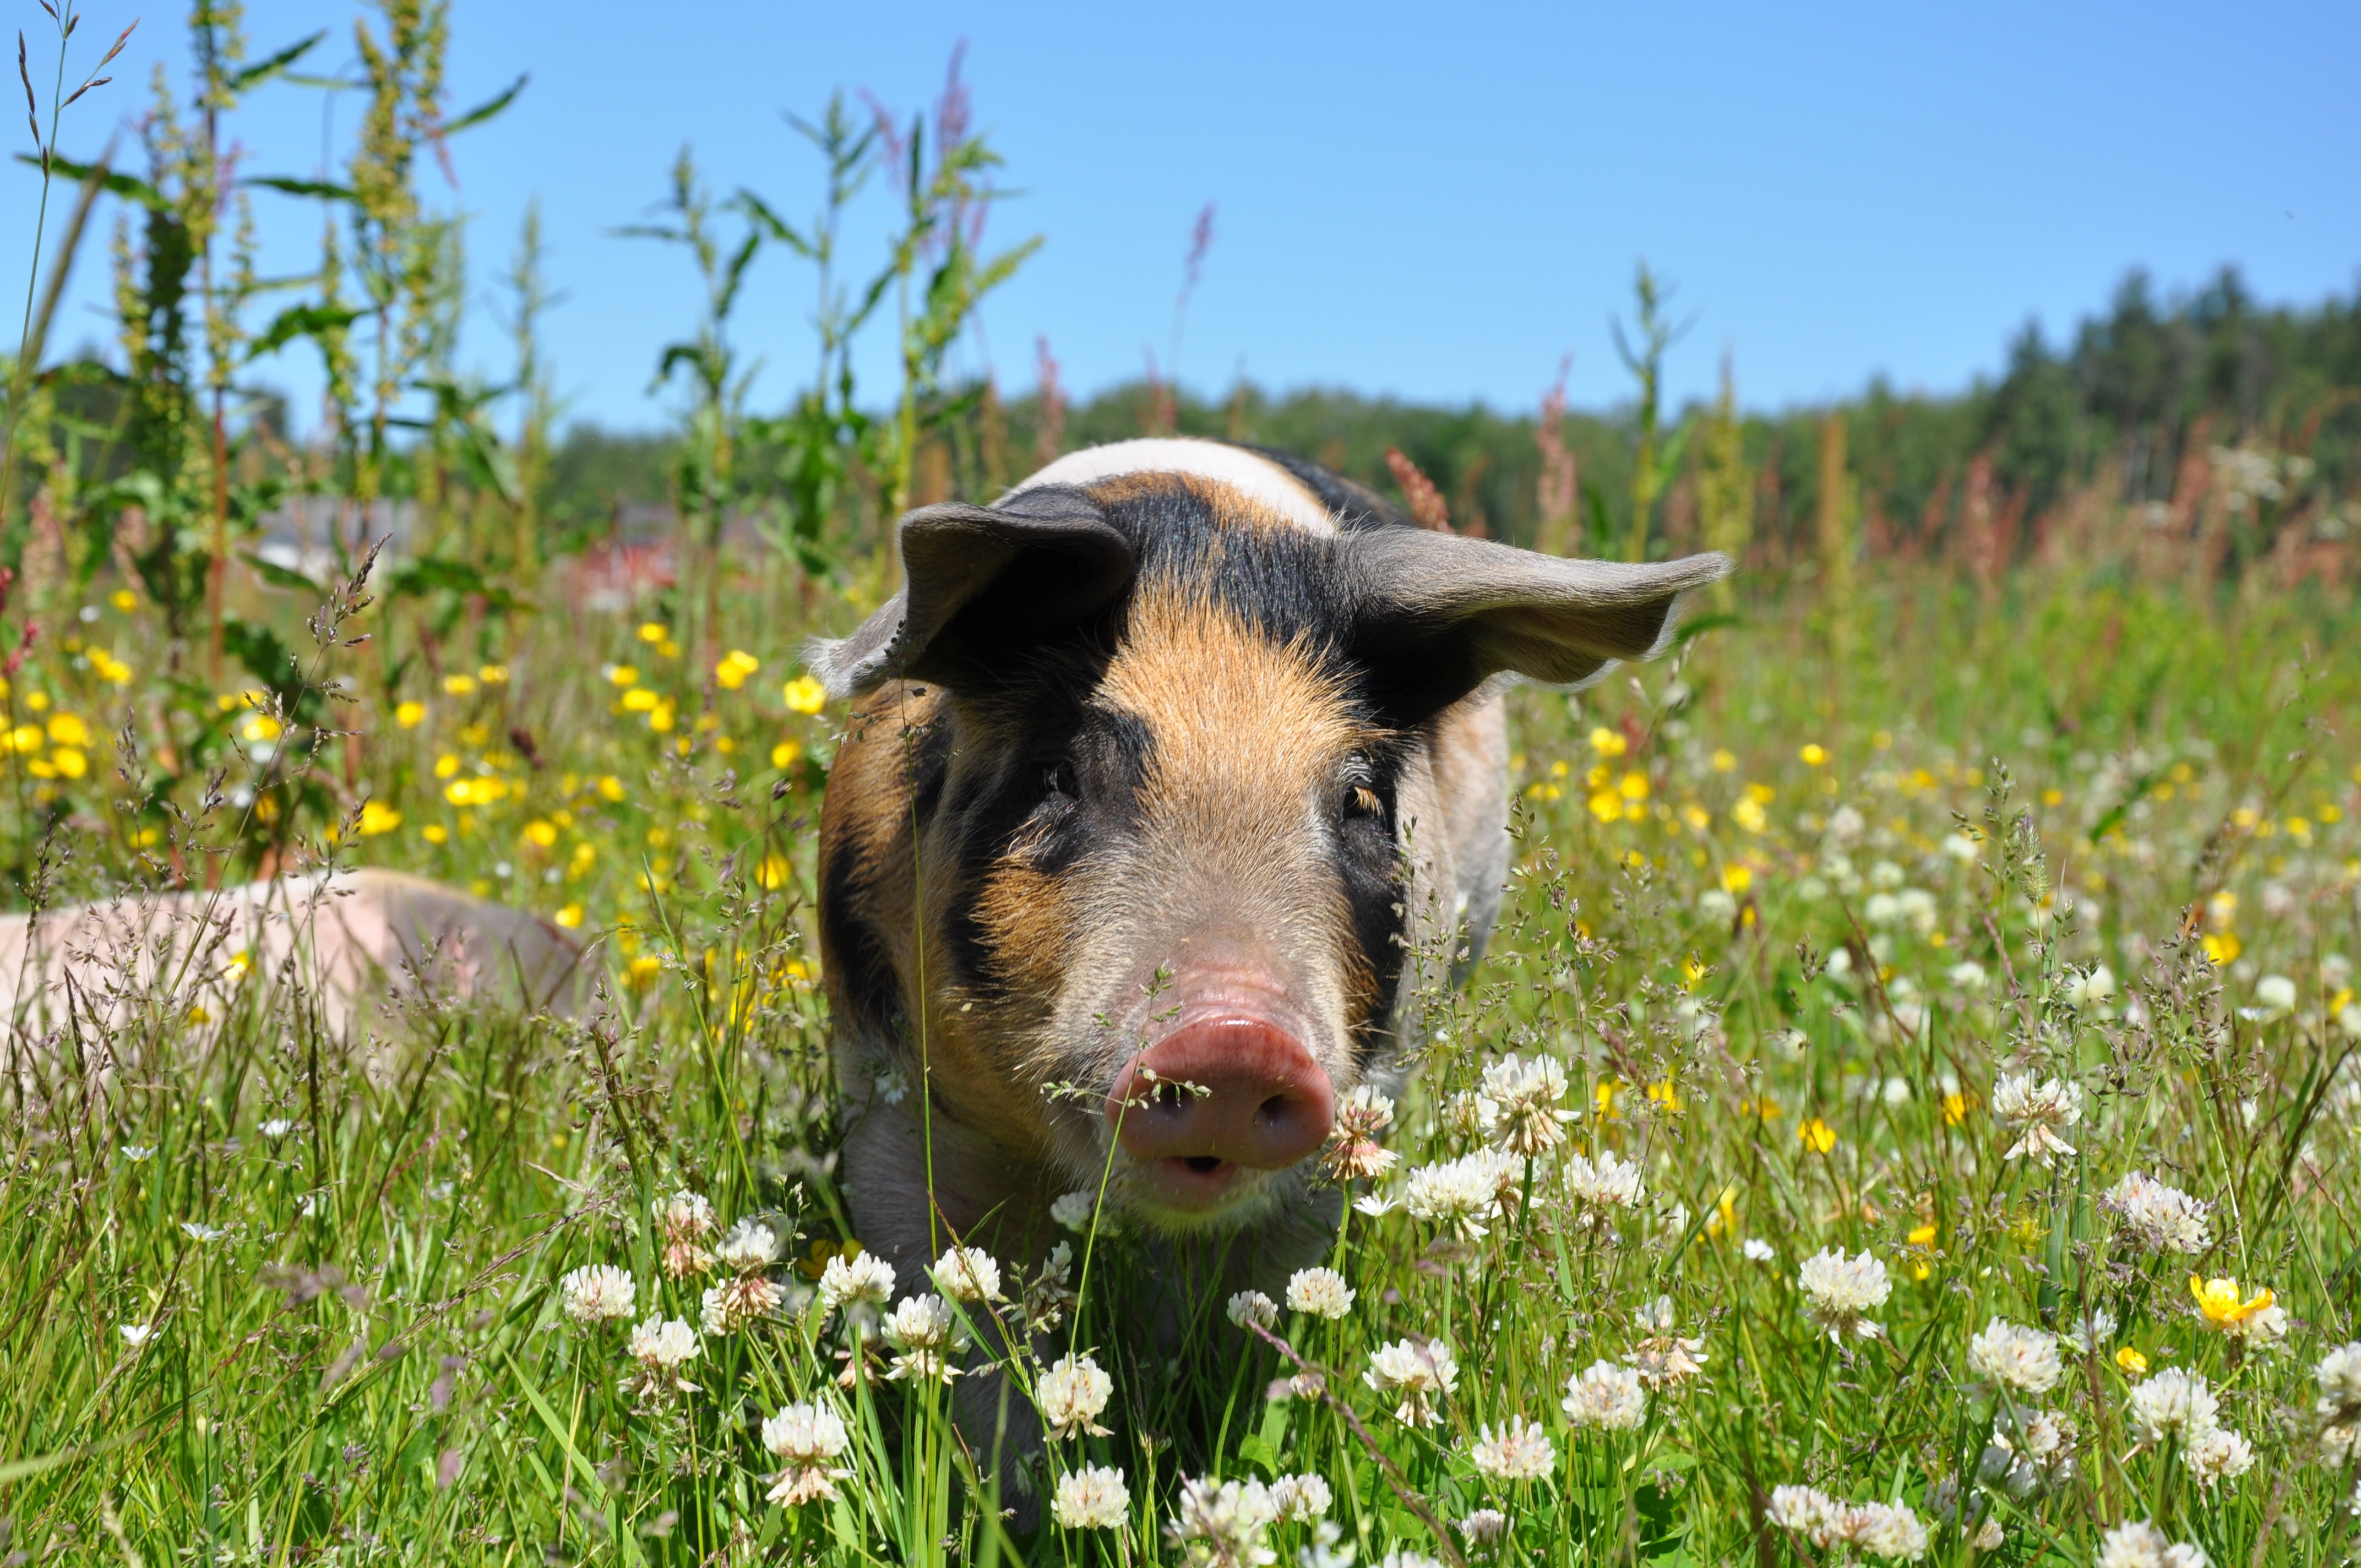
(2039, 1111)
(2015, 1357)
(860, 1284)
(1601, 1184)
(1526, 1117)
(1299, 1500)
(2220, 1455)
(2160, 1218)
(662, 1348)
(2087, 1333)
(1073, 1210)
(1071, 1394)
(2092, 990)
(2173, 1403)
(2275, 995)
(925, 1335)
(1961, 847)
(1223, 1525)
(742, 1299)
(2142, 1545)
(1968, 975)
(2339, 1408)
(1483, 1527)
(967, 1274)
(686, 1221)
(1254, 1307)
(599, 1293)
(1093, 1497)
(1322, 1292)
(750, 1248)
(2030, 1451)
(1605, 1395)
(1455, 1194)
(1806, 1511)
(1839, 1291)
(1420, 1374)
(1521, 1451)
(1757, 1250)
(1880, 1530)
(806, 1438)
(1352, 1152)
(1890, 1530)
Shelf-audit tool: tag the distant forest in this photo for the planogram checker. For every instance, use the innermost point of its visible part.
(2117, 413)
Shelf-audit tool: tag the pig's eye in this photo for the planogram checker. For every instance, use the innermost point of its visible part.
(1361, 802)
(1057, 780)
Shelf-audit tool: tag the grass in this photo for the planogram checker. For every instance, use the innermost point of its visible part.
(1785, 927)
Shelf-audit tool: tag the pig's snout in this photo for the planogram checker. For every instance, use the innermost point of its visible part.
(1223, 1093)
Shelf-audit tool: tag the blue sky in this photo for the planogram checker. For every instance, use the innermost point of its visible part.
(1427, 201)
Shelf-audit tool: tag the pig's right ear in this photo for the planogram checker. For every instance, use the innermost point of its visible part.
(980, 584)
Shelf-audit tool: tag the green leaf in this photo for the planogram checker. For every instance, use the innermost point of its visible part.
(488, 108)
(280, 576)
(122, 185)
(1699, 625)
(255, 74)
(294, 187)
(300, 321)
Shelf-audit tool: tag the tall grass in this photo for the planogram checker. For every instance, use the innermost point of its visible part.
(2063, 889)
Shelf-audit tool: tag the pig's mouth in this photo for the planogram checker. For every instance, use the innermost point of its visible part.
(1230, 1095)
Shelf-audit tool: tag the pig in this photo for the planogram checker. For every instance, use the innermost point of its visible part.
(1171, 781)
(348, 936)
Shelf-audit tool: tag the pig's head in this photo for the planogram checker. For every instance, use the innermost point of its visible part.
(1134, 852)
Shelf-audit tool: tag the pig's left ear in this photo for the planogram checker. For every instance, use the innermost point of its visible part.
(979, 584)
(1438, 614)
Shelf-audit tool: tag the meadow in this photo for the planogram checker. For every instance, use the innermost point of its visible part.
(1907, 1112)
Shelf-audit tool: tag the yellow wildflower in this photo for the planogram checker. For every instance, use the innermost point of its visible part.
(1813, 754)
(804, 694)
(65, 730)
(653, 632)
(378, 817)
(640, 699)
(493, 675)
(125, 601)
(410, 715)
(459, 683)
(1816, 1136)
(570, 916)
(1724, 760)
(436, 833)
(2134, 1364)
(1609, 742)
(735, 667)
(70, 762)
(2218, 1299)
(786, 754)
(541, 834)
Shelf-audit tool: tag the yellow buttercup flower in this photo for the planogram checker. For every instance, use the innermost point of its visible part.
(1609, 742)
(1817, 1135)
(653, 632)
(735, 667)
(804, 694)
(378, 817)
(2218, 1299)
(460, 683)
(1813, 754)
(410, 715)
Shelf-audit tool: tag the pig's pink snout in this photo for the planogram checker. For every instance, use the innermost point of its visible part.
(1218, 1094)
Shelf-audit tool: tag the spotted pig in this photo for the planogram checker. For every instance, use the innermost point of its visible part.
(1171, 779)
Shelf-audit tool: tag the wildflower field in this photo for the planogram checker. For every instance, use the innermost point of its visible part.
(1908, 1109)
(1906, 1112)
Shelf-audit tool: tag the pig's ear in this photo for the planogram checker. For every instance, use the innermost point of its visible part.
(978, 582)
(1438, 614)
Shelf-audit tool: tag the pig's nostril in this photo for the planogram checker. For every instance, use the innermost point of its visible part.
(1278, 1108)
(1204, 1164)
